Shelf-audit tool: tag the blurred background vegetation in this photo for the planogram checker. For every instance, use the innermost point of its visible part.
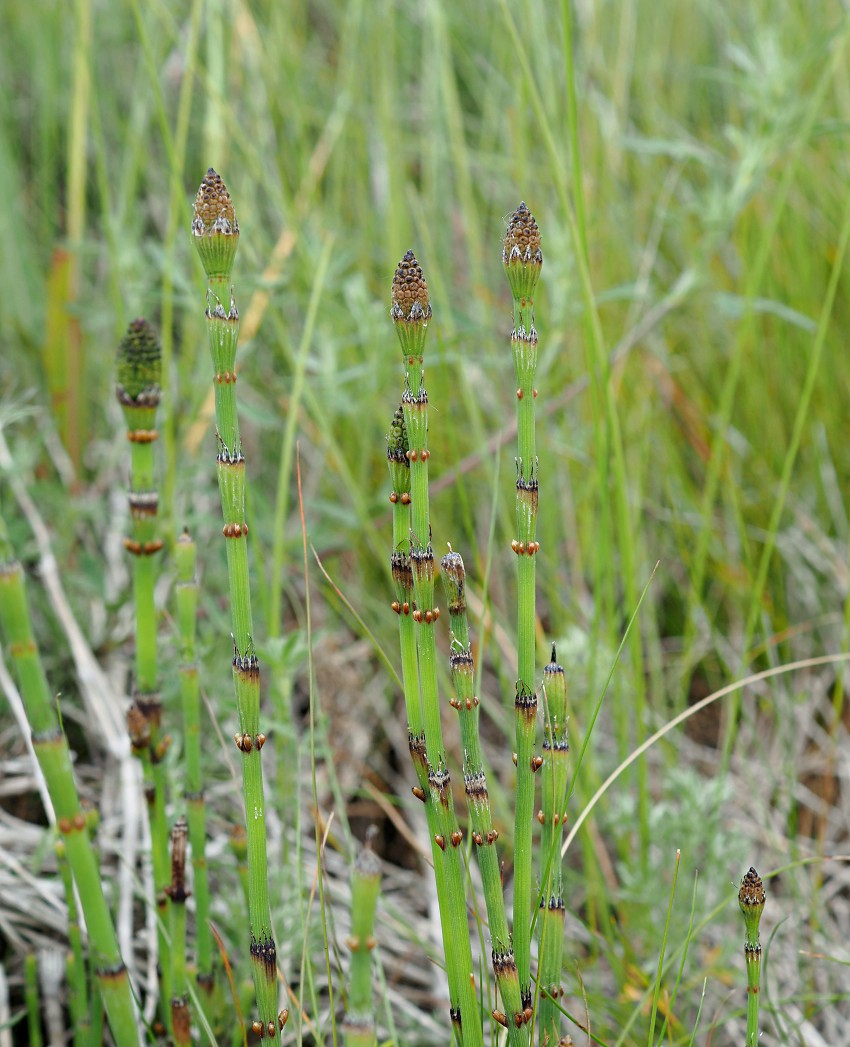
(687, 163)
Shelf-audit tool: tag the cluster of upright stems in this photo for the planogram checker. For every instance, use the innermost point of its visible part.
(138, 376)
(215, 232)
(413, 575)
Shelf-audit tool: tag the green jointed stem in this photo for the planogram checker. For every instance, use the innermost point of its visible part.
(484, 836)
(215, 232)
(523, 260)
(751, 899)
(553, 816)
(411, 311)
(180, 1019)
(187, 605)
(359, 1025)
(138, 373)
(75, 965)
(51, 749)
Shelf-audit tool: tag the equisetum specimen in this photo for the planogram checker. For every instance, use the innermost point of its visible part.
(137, 388)
(751, 899)
(523, 261)
(413, 561)
(215, 232)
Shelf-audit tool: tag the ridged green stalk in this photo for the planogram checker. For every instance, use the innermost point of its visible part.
(553, 817)
(215, 232)
(187, 606)
(138, 374)
(51, 749)
(177, 892)
(523, 260)
(411, 311)
(75, 964)
(484, 836)
(359, 1026)
(751, 899)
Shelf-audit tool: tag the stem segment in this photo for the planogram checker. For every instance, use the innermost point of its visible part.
(359, 1026)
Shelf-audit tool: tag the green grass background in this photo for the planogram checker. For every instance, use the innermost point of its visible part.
(687, 163)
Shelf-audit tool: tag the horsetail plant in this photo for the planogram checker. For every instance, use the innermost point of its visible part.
(51, 749)
(484, 835)
(137, 388)
(186, 594)
(410, 312)
(180, 1021)
(359, 1025)
(522, 259)
(552, 817)
(215, 232)
(751, 899)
